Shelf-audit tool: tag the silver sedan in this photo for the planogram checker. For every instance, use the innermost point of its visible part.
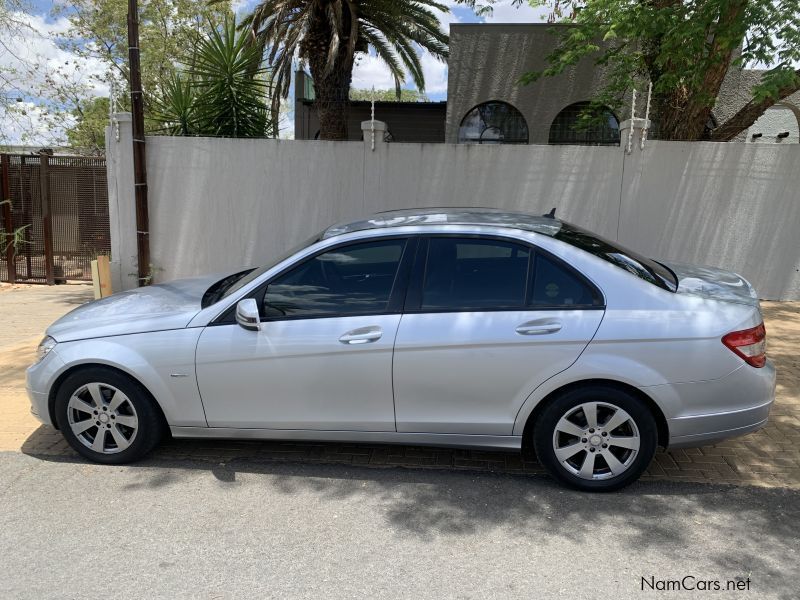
(449, 327)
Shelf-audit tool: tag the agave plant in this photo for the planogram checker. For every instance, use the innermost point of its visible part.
(174, 109)
(327, 34)
(223, 92)
(230, 83)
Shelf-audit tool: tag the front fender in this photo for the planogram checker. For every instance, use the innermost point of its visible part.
(163, 362)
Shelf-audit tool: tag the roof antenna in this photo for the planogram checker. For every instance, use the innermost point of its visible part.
(551, 214)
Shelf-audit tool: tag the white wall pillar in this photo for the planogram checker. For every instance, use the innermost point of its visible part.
(373, 130)
(631, 132)
(121, 201)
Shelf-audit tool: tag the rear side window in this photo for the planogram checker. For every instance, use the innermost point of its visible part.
(352, 280)
(557, 286)
(466, 273)
(477, 274)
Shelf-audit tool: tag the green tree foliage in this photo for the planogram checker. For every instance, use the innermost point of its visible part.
(88, 133)
(327, 34)
(222, 92)
(685, 48)
(388, 95)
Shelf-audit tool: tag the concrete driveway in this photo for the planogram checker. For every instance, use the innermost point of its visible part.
(259, 529)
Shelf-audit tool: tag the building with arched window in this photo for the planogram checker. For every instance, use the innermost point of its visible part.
(487, 105)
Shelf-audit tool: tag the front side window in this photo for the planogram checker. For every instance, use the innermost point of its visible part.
(351, 280)
(476, 274)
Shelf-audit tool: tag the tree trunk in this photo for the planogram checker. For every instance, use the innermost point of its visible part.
(332, 92)
(331, 80)
(684, 112)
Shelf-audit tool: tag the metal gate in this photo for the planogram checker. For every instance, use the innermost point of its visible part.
(56, 222)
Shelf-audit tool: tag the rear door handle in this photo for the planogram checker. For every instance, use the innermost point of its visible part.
(362, 335)
(539, 327)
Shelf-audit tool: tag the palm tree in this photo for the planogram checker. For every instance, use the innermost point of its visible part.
(327, 34)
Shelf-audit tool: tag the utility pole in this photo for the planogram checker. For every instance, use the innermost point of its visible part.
(139, 156)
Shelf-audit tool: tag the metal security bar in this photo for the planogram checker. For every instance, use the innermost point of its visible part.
(57, 221)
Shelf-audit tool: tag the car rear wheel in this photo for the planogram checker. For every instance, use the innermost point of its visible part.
(596, 439)
(107, 417)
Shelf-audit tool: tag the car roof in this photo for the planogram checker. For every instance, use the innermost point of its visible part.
(448, 216)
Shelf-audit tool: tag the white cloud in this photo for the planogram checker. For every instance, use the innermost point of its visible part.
(30, 124)
(34, 68)
(34, 54)
(435, 72)
(370, 71)
(506, 12)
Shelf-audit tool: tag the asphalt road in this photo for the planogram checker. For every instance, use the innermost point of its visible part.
(248, 529)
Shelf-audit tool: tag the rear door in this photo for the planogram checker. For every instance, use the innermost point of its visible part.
(486, 321)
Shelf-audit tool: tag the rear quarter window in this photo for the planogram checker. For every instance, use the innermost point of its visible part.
(555, 285)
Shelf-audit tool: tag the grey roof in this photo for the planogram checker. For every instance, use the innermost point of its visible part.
(449, 216)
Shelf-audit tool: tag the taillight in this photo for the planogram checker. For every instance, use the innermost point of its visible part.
(750, 344)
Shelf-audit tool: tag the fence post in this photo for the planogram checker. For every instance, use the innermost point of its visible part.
(121, 202)
(8, 222)
(47, 218)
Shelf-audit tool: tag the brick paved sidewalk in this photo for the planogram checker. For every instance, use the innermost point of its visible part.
(770, 457)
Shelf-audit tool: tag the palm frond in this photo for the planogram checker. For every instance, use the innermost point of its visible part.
(327, 34)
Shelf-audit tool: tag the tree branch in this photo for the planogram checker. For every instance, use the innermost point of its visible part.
(750, 112)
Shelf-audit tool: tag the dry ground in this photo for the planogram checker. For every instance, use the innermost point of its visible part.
(770, 457)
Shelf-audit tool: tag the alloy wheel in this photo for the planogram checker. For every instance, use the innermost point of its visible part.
(102, 417)
(596, 440)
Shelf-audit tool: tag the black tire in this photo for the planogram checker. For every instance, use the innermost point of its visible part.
(150, 425)
(545, 429)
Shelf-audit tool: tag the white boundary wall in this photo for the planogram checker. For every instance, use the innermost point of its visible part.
(220, 204)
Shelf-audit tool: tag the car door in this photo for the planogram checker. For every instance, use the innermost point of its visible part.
(486, 321)
(323, 357)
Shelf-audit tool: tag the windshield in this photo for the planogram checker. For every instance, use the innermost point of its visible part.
(644, 268)
(231, 284)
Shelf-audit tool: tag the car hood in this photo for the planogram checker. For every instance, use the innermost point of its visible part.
(153, 308)
(713, 283)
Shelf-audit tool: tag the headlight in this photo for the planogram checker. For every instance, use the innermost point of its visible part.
(44, 348)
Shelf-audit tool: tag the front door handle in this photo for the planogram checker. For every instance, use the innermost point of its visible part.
(362, 335)
(539, 327)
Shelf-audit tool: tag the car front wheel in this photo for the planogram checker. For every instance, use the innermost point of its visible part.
(106, 416)
(596, 439)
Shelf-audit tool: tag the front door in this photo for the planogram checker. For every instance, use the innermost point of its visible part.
(487, 321)
(323, 357)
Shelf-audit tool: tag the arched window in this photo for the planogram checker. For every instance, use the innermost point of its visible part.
(601, 130)
(493, 122)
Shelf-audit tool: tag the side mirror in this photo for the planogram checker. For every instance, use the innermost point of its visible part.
(247, 314)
